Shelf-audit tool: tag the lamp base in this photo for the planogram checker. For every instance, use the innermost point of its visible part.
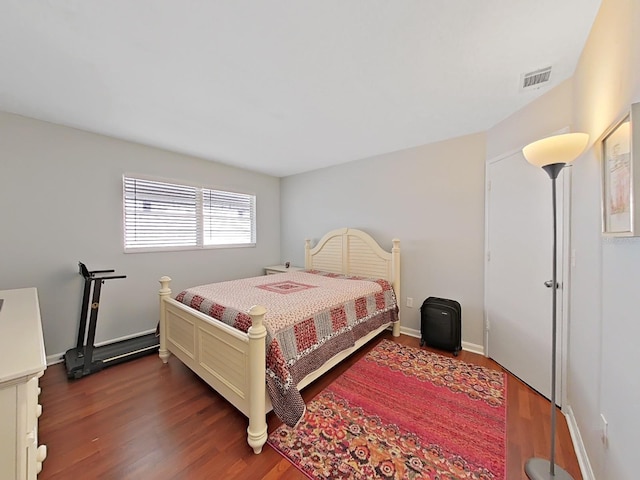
(539, 469)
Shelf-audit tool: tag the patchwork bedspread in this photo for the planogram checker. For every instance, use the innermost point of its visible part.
(311, 316)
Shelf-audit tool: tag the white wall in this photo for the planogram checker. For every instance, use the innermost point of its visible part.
(603, 356)
(430, 197)
(542, 117)
(603, 359)
(61, 202)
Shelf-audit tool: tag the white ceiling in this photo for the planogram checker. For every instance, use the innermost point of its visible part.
(283, 86)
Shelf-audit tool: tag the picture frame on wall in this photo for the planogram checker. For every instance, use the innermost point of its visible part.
(620, 216)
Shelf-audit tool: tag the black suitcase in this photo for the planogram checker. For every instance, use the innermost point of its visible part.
(441, 324)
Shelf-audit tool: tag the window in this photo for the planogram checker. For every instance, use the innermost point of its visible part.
(169, 216)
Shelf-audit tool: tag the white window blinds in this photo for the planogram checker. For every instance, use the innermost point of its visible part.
(168, 216)
(228, 218)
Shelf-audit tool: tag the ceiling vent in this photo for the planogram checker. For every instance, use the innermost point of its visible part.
(535, 80)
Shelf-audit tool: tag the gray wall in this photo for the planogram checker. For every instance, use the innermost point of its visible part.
(430, 197)
(61, 202)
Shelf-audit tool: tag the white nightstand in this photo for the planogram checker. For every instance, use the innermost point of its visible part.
(280, 269)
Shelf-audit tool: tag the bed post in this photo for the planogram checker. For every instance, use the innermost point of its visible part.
(257, 431)
(164, 292)
(395, 262)
(307, 253)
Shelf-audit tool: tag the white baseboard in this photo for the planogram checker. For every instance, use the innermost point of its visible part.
(59, 357)
(473, 347)
(469, 347)
(55, 358)
(412, 332)
(578, 445)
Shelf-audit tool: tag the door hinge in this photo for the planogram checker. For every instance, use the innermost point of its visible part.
(488, 256)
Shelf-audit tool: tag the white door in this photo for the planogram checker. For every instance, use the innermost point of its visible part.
(519, 262)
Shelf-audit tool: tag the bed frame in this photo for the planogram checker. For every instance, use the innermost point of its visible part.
(233, 362)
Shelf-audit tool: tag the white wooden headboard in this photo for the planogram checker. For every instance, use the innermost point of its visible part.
(354, 252)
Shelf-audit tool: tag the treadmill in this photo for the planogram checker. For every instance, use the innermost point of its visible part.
(86, 358)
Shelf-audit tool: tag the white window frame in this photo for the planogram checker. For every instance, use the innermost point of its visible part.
(194, 223)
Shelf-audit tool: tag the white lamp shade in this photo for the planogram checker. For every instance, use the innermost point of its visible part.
(557, 149)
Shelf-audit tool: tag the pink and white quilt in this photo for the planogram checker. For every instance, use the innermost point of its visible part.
(311, 316)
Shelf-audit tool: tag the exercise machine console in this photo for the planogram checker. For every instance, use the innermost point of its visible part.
(86, 358)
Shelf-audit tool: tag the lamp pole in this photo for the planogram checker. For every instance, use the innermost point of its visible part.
(552, 154)
(537, 468)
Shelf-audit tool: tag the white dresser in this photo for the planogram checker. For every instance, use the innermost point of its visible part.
(22, 362)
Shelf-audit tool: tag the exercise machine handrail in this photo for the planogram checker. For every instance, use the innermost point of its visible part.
(91, 275)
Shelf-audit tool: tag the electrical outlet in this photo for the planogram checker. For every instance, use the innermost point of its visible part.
(409, 302)
(605, 431)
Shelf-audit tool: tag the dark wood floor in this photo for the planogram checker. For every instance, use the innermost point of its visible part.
(145, 420)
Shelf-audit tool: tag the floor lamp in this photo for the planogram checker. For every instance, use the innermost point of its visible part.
(552, 154)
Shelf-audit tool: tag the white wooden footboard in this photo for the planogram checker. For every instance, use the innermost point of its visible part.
(230, 361)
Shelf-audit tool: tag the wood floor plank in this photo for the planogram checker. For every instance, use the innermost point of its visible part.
(146, 420)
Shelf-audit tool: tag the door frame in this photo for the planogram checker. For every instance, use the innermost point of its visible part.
(567, 258)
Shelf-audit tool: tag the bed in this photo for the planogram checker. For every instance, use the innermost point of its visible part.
(235, 363)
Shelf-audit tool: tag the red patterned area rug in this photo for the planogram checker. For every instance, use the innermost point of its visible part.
(402, 412)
